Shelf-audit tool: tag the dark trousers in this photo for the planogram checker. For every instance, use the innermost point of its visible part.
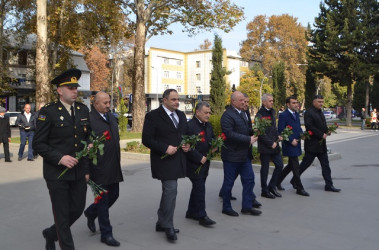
(324, 161)
(68, 200)
(196, 204)
(265, 164)
(167, 204)
(374, 125)
(101, 209)
(293, 165)
(6, 149)
(23, 136)
(231, 171)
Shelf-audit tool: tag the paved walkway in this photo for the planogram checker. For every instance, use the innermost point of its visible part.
(324, 221)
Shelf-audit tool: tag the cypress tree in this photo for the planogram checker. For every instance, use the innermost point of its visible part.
(217, 82)
(279, 85)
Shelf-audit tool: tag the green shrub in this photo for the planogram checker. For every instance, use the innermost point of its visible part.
(136, 147)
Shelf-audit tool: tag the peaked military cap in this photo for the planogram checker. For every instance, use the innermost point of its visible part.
(68, 78)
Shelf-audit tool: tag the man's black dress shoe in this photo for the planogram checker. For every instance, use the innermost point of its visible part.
(332, 189)
(293, 184)
(170, 234)
(302, 192)
(280, 187)
(232, 198)
(90, 224)
(19, 159)
(30, 159)
(256, 204)
(50, 243)
(268, 195)
(251, 211)
(191, 216)
(230, 212)
(8, 161)
(275, 192)
(159, 228)
(110, 241)
(206, 221)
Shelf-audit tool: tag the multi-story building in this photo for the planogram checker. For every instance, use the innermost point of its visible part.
(187, 72)
(19, 60)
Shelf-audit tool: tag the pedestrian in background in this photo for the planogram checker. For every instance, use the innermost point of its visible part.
(363, 118)
(26, 123)
(374, 120)
(5, 134)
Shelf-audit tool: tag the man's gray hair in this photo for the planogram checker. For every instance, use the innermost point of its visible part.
(201, 104)
(265, 96)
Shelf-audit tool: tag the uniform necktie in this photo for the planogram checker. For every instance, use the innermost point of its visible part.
(244, 116)
(105, 117)
(294, 116)
(174, 120)
(72, 114)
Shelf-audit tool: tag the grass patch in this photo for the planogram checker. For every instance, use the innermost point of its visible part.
(15, 140)
(130, 135)
(136, 147)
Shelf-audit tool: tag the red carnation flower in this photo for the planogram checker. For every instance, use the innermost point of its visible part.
(202, 139)
(289, 127)
(202, 133)
(310, 132)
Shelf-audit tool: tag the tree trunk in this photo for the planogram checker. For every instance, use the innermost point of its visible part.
(367, 98)
(57, 39)
(2, 18)
(138, 85)
(42, 59)
(349, 104)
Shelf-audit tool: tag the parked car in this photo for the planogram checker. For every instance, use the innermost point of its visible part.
(12, 117)
(330, 115)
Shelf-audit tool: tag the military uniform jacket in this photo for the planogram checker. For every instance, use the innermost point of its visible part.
(201, 149)
(57, 135)
(158, 133)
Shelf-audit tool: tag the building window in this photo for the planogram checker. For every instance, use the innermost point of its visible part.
(166, 87)
(198, 78)
(166, 74)
(197, 64)
(179, 75)
(165, 60)
(179, 62)
(22, 57)
(179, 88)
(198, 89)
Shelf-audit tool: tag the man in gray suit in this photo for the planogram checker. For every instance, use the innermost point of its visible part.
(162, 133)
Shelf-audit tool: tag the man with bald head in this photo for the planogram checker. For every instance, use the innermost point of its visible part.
(26, 123)
(237, 155)
(107, 172)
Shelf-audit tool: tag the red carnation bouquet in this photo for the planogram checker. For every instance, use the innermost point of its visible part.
(306, 135)
(97, 191)
(331, 129)
(286, 133)
(189, 139)
(216, 143)
(91, 152)
(260, 125)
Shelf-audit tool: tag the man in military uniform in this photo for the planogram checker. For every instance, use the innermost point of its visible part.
(61, 126)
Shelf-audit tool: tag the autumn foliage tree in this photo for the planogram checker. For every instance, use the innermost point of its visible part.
(100, 73)
(278, 38)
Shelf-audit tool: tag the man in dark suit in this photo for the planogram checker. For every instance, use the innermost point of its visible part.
(162, 133)
(314, 121)
(26, 123)
(292, 147)
(5, 134)
(61, 127)
(237, 155)
(196, 158)
(269, 149)
(107, 172)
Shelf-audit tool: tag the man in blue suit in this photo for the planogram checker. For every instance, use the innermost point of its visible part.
(292, 147)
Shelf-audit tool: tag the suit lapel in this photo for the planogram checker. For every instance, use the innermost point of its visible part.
(166, 118)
